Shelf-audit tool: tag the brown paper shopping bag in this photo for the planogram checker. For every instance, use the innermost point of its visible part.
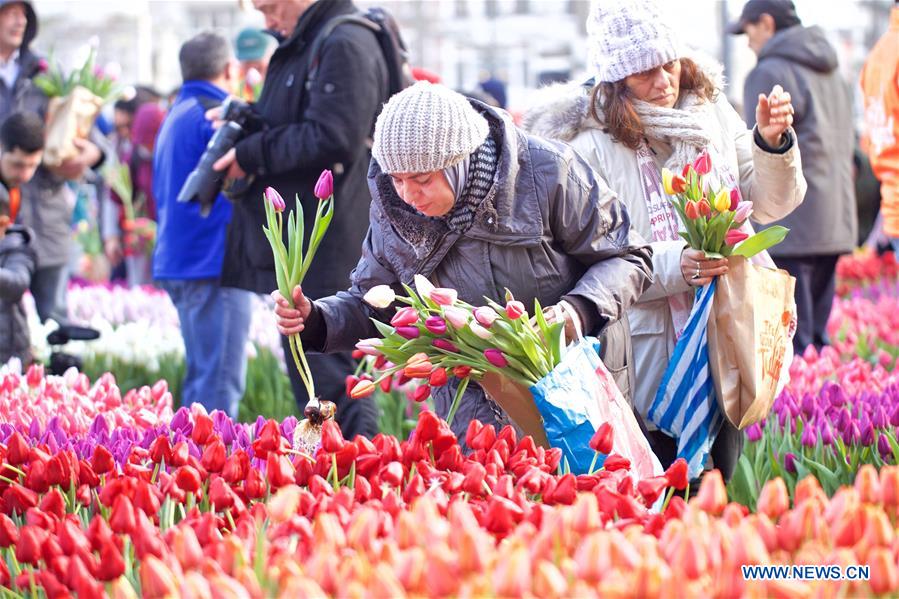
(518, 403)
(749, 338)
(68, 118)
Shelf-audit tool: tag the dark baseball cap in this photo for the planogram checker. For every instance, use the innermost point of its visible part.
(782, 11)
(252, 44)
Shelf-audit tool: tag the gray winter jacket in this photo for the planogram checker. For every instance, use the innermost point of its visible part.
(802, 61)
(17, 263)
(548, 229)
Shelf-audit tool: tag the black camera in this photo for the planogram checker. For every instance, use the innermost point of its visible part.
(61, 361)
(204, 184)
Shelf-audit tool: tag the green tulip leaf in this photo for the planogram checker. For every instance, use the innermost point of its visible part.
(761, 241)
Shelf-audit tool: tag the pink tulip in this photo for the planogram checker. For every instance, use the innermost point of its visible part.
(485, 315)
(443, 296)
(703, 163)
(445, 345)
(496, 357)
(743, 211)
(436, 325)
(408, 332)
(735, 236)
(456, 317)
(404, 317)
(275, 199)
(515, 310)
(324, 187)
(369, 347)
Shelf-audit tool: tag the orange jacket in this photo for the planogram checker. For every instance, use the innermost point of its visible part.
(880, 86)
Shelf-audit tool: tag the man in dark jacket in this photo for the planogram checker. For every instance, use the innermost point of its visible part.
(46, 201)
(21, 147)
(825, 225)
(187, 261)
(311, 126)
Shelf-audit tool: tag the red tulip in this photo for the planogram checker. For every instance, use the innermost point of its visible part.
(54, 504)
(712, 495)
(704, 207)
(102, 460)
(332, 437)
(461, 372)
(652, 488)
(703, 163)
(254, 485)
(203, 429)
(180, 453)
(9, 533)
(421, 393)
(122, 519)
(362, 389)
(188, 479)
(279, 470)
(616, 462)
(28, 548)
(565, 491)
(678, 184)
(438, 377)
(735, 236)
(220, 494)
(214, 456)
(392, 474)
(236, 467)
(18, 499)
(691, 210)
(404, 317)
(677, 474)
(428, 427)
(602, 439)
(17, 449)
(515, 309)
(161, 449)
(734, 198)
(324, 187)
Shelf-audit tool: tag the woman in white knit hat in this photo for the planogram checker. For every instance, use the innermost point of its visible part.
(464, 197)
(650, 106)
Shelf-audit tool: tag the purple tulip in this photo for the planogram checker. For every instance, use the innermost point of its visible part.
(880, 420)
(808, 405)
(754, 433)
(274, 198)
(883, 446)
(436, 325)
(445, 345)
(867, 431)
(324, 188)
(790, 462)
(496, 357)
(809, 436)
(894, 416)
(408, 332)
(826, 434)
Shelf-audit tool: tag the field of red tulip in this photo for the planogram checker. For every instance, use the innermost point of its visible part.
(105, 494)
(195, 505)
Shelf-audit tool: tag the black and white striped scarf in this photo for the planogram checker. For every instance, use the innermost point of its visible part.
(481, 175)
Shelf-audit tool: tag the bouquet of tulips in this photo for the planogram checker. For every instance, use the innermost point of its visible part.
(713, 220)
(292, 263)
(75, 103)
(437, 335)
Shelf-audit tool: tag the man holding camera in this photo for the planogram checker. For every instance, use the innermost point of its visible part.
(309, 126)
(190, 248)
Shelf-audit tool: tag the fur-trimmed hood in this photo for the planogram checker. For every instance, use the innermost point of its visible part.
(562, 110)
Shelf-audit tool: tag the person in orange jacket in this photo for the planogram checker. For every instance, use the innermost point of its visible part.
(880, 86)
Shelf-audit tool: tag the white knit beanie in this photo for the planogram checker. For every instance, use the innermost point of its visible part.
(626, 37)
(426, 128)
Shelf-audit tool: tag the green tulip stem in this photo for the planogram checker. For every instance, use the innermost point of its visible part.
(299, 358)
(460, 391)
(593, 463)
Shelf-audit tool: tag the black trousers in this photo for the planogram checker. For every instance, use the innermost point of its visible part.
(725, 452)
(815, 285)
(355, 416)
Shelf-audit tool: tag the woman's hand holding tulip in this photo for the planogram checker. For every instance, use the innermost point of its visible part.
(699, 270)
(774, 115)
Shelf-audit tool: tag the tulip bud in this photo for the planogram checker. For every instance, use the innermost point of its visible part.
(678, 184)
(496, 357)
(456, 316)
(735, 236)
(421, 393)
(404, 317)
(408, 332)
(703, 163)
(480, 331)
(602, 439)
(460, 372)
(274, 198)
(362, 389)
(369, 347)
(443, 296)
(691, 210)
(515, 310)
(743, 211)
(705, 208)
(324, 187)
(485, 316)
(435, 325)
(438, 377)
(722, 201)
(667, 176)
(734, 198)
(423, 285)
(379, 296)
(445, 345)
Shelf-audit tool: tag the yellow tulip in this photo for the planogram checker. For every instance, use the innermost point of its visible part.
(667, 177)
(722, 201)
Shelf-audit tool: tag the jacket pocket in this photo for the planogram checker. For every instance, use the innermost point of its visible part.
(649, 318)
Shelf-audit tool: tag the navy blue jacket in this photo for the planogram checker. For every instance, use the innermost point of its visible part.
(188, 246)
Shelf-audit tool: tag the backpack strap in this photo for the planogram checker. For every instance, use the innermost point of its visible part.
(327, 30)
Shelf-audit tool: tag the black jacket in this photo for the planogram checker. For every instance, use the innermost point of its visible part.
(17, 264)
(802, 61)
(307, 130)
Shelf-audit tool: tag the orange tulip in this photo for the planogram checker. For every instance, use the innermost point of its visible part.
(774, 499)
(691, 210)
(156, 579)
(712, 495)
(549, 581)
(418, 370)
(889, 488)
(284, 504)
(867, 483)
(884, 573)
(809, 489)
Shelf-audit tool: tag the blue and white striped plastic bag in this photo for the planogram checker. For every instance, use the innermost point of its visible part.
(685, 405)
